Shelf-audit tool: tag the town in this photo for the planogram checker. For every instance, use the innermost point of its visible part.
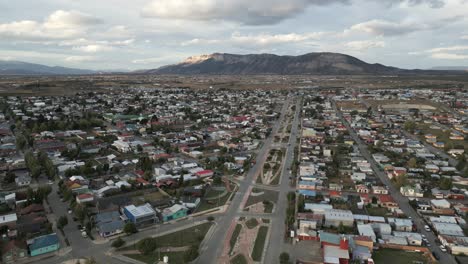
(178, 175)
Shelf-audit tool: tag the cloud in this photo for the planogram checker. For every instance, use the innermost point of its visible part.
(464, 37)
(93, 48)
(387, 28)
(262, 39)
(364, 45)
(449, 56)
(445, 49)
(379, 27)
(260, 12)
(430, 3)
(80, 59)
(59, 25)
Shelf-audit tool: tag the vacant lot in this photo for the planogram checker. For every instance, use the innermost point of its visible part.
(392, 256)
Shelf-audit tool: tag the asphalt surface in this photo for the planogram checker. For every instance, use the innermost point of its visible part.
(402, 201)
(276, 243)
(213, 248)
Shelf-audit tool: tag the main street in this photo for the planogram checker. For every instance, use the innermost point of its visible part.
(402, 201)
(212, 250)
(276, 242)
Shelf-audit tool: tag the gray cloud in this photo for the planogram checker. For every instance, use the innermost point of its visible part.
(259, 12)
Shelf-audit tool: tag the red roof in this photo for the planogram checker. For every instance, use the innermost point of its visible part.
(386, 198)
(141, 180)
(204, 172)
(85, 196)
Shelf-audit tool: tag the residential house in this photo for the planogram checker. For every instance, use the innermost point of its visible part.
(43, 244)
(174, 212)
(140, 215)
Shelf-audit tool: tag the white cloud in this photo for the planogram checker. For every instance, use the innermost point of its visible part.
(386, 28)
(262, 39)
(80, 59)
(445, 49)
(93, 48)
(379, 27)
(59, 25)
(364, 45)
(449, 56)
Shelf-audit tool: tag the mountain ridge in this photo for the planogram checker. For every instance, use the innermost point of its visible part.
(8, 67)
(316, 63)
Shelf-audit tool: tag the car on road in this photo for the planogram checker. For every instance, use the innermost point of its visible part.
(79, 227)
(83, 234)
(69, 211)
(428, 229)
(442, 248)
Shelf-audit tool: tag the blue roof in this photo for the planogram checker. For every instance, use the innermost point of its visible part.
(309, 183)
(309, 193)
(44, 241)
(330, 238)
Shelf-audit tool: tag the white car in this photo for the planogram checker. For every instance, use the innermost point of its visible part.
(442, 247)
(427, 228)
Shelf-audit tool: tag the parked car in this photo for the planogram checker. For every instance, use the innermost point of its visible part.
(442, 247)
(428, 229)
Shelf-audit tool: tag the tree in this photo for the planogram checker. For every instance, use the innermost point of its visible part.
(461, 162)
(118, 243)
(412, 163)
(147, 245)
(130, 228)
(400, 180)
(445, 183)
(90, 261)
(341, 228)
(410, 126)
(284, 258)
(62, 222)
(9, 177)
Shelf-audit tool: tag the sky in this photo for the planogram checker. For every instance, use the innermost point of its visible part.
(144, 34)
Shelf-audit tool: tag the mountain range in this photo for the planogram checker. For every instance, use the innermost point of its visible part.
(26, 68)
(319, 63)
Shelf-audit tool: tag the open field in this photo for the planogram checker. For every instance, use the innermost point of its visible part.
(391, 256)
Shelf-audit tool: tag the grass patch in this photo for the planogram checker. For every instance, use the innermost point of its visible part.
(186, 237)
(174, 257)
(266, 221)
(268, 207)
(251, 223)
(213, 193)
(377, 211)
(207, 205)
(234, 236)
(257, 251)
(239, 259)
(391, 256)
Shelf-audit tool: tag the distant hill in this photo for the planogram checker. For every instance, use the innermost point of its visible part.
(25, 68)
(450, 68)
(321, 63)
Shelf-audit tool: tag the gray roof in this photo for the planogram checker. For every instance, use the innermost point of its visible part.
(110, 226)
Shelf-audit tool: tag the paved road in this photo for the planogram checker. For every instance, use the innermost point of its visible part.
(276, 243)
(214, 247)
(402, 201)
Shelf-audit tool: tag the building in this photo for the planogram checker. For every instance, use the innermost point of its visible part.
(23, 180)
(109, 223)
(143, 214)
(367, 231)
(335, 217)
(448, 229)
(411, 191)
(174, 212)
(8, 220)
(43, 244)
